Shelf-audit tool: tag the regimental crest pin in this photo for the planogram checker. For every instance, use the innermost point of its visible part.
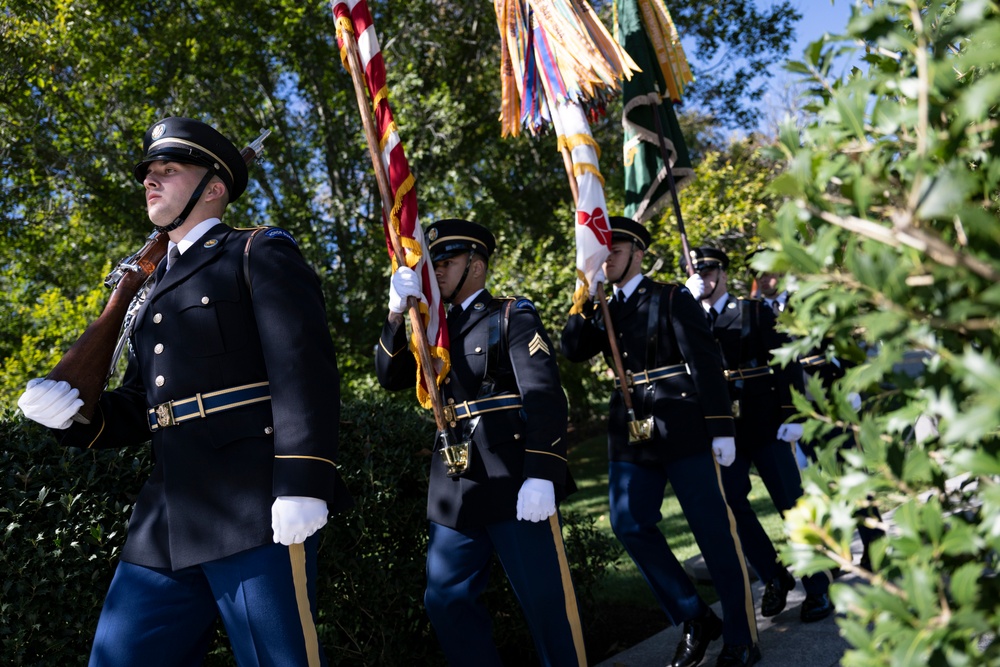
(538, 344)
(211, 242)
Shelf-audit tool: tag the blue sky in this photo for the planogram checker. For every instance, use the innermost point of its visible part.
(818, 16)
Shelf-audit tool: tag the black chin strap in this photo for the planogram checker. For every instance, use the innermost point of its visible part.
(705, 297)
(195, 196)
(465, 274)
(631, 254)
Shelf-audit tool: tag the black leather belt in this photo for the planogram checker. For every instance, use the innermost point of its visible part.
(661, 373)
(200, 406)
(455, 411)
(748, 373)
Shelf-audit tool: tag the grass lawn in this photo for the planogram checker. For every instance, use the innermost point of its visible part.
(624, 586)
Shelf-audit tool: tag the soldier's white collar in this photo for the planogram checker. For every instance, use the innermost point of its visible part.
(468, 302)
(629, 287)
(719, 304)
(193, 235)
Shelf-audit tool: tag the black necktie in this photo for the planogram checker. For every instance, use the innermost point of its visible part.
(776, 307)
(621, 296)
(453, 314)
(711, 315)
(173, 256)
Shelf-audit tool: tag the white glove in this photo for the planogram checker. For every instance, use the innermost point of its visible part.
(724, 449)
(598, 280)
(790, 432)
(536, 501)
(294, 518)
(50, 403)
(854, 398)
(404, 283)
(695, 285)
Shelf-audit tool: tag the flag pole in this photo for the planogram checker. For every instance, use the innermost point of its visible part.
(616, 355)
(665, 156)
(385, 192)
(567, 157)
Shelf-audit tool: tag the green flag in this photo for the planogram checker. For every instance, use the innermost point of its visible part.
(647, 188)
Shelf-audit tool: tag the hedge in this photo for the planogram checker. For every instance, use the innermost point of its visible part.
(64, 514)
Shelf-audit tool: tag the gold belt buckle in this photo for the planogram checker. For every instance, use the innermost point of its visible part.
(449, 413)
(165, 414)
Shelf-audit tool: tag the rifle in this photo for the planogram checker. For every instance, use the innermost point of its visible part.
(91, 361)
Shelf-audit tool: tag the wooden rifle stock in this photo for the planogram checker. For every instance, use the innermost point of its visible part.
(89, 362)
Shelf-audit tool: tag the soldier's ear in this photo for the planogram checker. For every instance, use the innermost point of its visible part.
(216, 190)
(478, 266)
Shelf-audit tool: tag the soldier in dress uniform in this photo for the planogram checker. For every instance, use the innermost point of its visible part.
(499, 470)
(680, 399)
(232, 375)
(762, 404)
(821, 363)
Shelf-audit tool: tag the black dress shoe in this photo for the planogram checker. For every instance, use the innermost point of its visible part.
(866, 562)
(734, 655)
(776, 594)
(698, 634)
(816, 607)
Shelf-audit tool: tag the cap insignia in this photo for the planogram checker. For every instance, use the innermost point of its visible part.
(158, 131)
(432, 234)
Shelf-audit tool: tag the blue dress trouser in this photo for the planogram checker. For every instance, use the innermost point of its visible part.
(636, 494)
(534, 558)
(775, 463)
(162, 618)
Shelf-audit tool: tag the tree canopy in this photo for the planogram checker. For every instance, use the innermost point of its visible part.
(82, 81)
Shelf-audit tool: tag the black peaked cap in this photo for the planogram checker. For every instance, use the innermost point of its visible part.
(193, 142)
(627, 229)
(454, 236)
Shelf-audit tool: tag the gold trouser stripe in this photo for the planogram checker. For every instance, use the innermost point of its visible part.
(572, 610)
(751, 613)
(297, 556)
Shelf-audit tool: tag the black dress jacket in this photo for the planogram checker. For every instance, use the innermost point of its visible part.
(689, 408)
(508, 445)
(200, 330)
(745, 329)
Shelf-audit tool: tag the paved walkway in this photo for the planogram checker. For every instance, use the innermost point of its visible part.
(784, 640)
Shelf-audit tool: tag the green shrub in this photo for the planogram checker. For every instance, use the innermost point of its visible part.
(891, 228)
(64, 515)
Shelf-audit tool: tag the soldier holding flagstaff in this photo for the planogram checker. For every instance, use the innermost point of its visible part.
(682, 432)
(500, 464)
